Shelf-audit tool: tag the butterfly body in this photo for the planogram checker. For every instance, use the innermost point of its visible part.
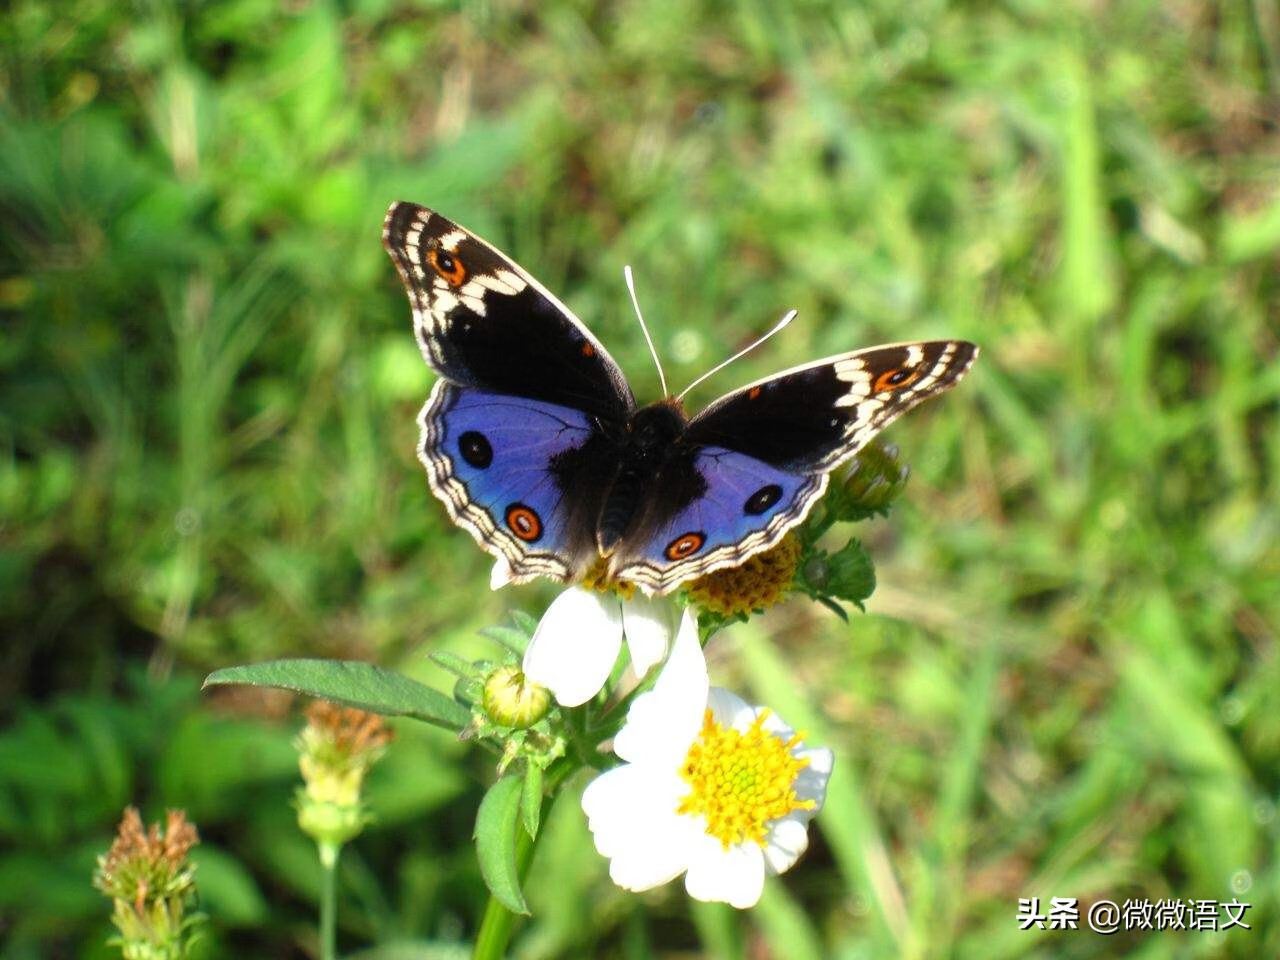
(535, 444)
(649, 446)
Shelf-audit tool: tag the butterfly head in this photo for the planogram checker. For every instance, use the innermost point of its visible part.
(653, 429)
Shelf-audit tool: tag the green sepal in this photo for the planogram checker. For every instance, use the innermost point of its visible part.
(848, 574)
(458, 666)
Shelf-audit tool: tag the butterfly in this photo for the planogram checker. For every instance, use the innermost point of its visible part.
(536, 446)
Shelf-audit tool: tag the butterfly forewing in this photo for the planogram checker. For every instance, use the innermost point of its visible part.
(816, 416)
(482, 321)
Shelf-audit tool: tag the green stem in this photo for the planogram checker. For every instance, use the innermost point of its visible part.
(328, 898)
(495, 927)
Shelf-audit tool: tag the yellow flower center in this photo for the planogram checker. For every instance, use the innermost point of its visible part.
(742, 781)
(759, 582)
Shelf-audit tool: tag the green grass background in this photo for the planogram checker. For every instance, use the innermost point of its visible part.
(1068, 682)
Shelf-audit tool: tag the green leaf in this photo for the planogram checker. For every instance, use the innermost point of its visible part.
(531, 798)
(496, 842)
(350, 682)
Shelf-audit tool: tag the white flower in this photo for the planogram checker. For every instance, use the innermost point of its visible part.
(711, 787)
(577, 641)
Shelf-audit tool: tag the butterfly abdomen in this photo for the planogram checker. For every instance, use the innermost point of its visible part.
(648, 443)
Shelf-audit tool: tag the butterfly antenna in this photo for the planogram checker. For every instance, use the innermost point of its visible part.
(778, 328)
(631, 288)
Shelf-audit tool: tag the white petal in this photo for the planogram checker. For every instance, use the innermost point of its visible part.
(648, 623)
(620, 798)
(811, 782)
(501, 574)
(663, 722)
(575, 645)
(633, 820)
(787, 839)
(658, 854)
(729, 709)
(734, 876)
(732, 711)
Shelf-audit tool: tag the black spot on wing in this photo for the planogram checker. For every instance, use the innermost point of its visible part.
(762, 500)
(475, 449)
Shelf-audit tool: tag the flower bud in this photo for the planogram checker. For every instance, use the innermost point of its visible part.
(336, 749)
(875, 477)
(513, 700)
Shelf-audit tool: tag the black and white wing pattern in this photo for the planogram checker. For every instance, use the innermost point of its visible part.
(482, 321)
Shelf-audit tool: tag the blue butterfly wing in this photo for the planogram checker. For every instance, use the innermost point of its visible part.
(744, 506)
(551, 410)
(497, 462)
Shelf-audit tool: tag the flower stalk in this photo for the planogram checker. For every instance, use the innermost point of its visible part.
(328, 898)
(336, 749)
(498, 921)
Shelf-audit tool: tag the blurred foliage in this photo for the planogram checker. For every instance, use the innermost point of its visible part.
(1068, 684)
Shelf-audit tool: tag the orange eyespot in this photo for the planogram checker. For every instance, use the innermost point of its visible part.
(588, 350)
(685, 545)
(753, 393)
(895, 379)
(447, 265)
(524, 522)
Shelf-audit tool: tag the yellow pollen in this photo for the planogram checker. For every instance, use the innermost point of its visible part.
(742, 781)
(597, 578)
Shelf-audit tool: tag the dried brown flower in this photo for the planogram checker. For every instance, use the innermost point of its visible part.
(148, 878)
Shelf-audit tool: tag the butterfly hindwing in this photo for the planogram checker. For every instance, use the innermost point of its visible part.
(484, 322)
(741, 506)
(497, 463)
(762, 455)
